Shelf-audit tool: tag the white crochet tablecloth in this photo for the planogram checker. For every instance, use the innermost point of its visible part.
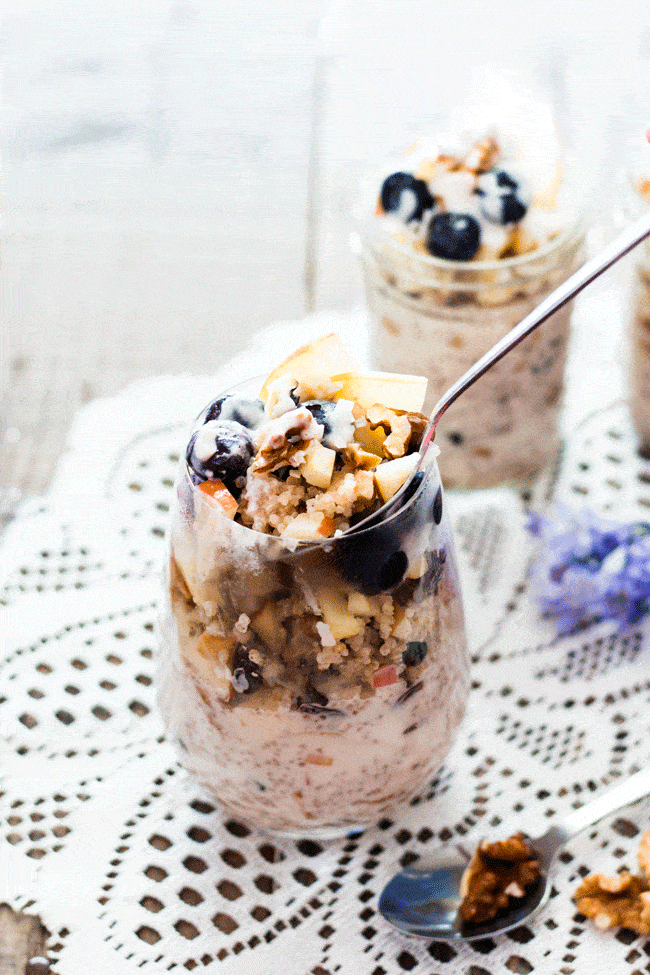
(129, 866)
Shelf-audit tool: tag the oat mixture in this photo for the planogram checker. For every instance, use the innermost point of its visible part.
(313, 680)
(461, 249)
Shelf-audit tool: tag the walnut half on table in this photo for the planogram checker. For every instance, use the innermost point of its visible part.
(623, 900)
(496, 874)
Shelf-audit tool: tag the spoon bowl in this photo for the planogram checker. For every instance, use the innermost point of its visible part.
(424, 899)
(624, 243)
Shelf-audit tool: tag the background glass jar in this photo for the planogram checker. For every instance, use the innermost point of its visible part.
(636, 200)
(313, 687)
(436, 317)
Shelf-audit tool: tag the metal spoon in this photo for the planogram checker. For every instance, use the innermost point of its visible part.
(624, 243)
(424, 899)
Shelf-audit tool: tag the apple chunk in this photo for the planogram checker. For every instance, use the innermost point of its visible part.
(212, 661)
(341, 621)
(322, 357)
(308, 525)
(218, 495)
(390, 476)
(318, 465)
(391, 389)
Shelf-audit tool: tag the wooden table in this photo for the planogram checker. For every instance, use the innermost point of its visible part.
(177, 175)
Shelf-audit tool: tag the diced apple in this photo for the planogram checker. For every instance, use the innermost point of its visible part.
(212, 661)
(309, 525)
(391, 389)
(315, 758)
(268, 628)
(371, 439)
(341, 621)
(318, 465)
(390, 476)
(417, 568)
(385, 676)
(360, 605)
(219, 495)
(322, 357)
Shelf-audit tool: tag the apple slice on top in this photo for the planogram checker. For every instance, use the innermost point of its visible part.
(392, 389)
(322, 357)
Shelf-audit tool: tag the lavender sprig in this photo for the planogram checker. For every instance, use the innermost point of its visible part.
(590, 569)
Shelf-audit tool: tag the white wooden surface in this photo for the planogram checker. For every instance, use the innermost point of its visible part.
(175, 174)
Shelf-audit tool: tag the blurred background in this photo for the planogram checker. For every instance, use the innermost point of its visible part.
(176, 173)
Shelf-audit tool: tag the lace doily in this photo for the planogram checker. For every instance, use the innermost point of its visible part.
(128, 864)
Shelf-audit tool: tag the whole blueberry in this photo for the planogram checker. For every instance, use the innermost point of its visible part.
(321, 410)
(248, 412)
(504, 199)
(415, 653)
(374, 560)
(220, 449)
(403, 192)
(437, 506)
(454, 236)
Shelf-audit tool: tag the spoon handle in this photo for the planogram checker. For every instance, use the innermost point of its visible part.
(630, 237)
(629, 790)
(635, 787)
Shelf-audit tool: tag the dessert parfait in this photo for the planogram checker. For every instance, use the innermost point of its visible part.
(313, 679)
(463, 244)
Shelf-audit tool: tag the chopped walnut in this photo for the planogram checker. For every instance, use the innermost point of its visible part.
(358, 458)
(643, 854)
(483, 156)
(611, 901)
(497, 873)
(397, 427)
(622, 900)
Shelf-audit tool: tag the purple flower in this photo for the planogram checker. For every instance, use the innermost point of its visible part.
(590, 569)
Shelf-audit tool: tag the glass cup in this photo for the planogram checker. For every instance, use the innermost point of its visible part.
(636, 199)
(313, 687)
(436, 318)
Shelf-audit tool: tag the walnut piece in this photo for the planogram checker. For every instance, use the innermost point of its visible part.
(622, 900)
(611, 901)
(497, 873)
(643, 854)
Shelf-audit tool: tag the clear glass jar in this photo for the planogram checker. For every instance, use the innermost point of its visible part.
(635, 204)
(291, 725)
(436, 317)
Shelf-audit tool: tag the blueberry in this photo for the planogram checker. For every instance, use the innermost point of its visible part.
(415, 653)
(455, 438)
(504, 199)
(321, 410)
(220, 449)
(337, 421)
(454, 236)
(248, 412)
(402, 190)
(437, 506)
(373, 560)
(246, 675)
